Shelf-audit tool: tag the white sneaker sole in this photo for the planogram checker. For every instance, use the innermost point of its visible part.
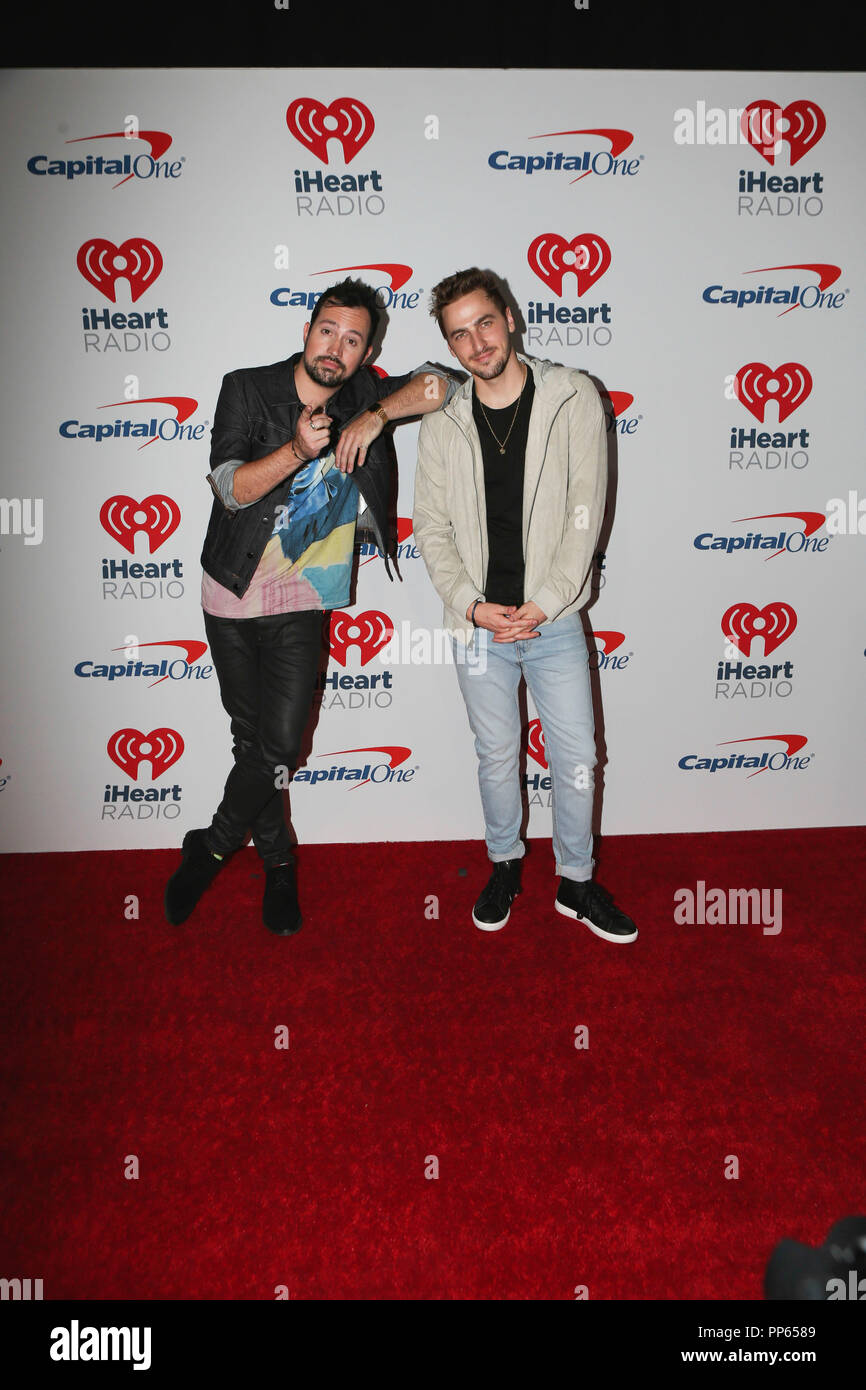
(599, 931)
(491, 926)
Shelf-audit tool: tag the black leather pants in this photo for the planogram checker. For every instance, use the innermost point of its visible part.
(267, 670)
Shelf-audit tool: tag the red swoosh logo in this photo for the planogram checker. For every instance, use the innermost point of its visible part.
(812, 522)
(398, 273)
(827, 275)
(620, 400)
(793, 744)
(609, 640)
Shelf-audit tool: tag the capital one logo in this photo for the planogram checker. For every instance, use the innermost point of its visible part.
(766, 125)
(129, 748)
(136, 260)
(743, 622)
(551, 257)
(346, 119)
(170, 428)
(789, 758)
(619, 141)
(369, 632)
(157, 516)
(756, 384)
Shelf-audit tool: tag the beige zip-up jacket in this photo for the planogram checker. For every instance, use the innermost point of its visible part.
(565, 481)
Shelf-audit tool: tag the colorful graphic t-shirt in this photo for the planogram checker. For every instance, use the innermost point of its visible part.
(307, 563)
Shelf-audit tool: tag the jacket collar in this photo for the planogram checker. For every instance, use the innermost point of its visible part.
(552, 387)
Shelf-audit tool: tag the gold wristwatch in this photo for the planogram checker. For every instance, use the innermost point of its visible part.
(377, 408)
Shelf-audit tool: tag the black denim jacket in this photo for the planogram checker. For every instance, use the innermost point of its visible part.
(257, 412)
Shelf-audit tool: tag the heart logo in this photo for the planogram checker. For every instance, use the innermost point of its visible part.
(755, 384)
(129, 748)
(535, 741)
(157, 516)
(369, 632)
(136, 260)
(743, 622)
(551, 257)
(765, 125)
(346, 119)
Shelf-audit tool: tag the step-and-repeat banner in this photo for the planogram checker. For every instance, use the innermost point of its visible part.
(693, 241)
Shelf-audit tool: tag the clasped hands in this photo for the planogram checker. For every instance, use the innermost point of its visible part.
(508, 624)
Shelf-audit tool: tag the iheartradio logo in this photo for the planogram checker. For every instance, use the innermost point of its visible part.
(136, 260)
(129, 748)
(743, 622)
(369, 632)
(157, 516)
(551, 257)
(756, 384)
(313, 124)
(766, 125)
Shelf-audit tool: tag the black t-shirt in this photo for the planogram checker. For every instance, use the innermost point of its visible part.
(503, 489)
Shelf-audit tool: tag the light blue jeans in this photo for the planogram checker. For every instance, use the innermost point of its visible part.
(556, 667)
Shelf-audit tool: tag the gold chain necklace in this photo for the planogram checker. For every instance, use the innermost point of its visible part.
(502, 442)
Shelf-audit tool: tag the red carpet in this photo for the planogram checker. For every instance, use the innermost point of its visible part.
(412, 1038)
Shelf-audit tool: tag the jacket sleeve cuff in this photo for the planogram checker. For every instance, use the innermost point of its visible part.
(221, 479)
(550, 603)
(466, 594)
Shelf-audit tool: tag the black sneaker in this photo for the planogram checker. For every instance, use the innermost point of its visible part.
(280, 911)
(197, 872)
(590, 903)
(493, 908)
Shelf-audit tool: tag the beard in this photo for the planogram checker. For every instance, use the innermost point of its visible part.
(324, 373)
(494, 368)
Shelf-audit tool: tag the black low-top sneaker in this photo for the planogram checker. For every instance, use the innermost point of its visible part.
(590, 903)
(281, 913)
(493, 908)
(198, 869)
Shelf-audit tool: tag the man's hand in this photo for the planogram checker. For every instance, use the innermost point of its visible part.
(528, 616)
(254, 479)
(356, 439)
(312, 433)
(508, 624)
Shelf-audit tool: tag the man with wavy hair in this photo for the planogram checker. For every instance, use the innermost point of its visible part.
(509, 500)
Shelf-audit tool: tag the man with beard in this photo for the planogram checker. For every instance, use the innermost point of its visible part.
(294, 446)
(509, 501)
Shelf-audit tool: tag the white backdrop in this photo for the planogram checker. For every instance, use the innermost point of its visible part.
(645, 217)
